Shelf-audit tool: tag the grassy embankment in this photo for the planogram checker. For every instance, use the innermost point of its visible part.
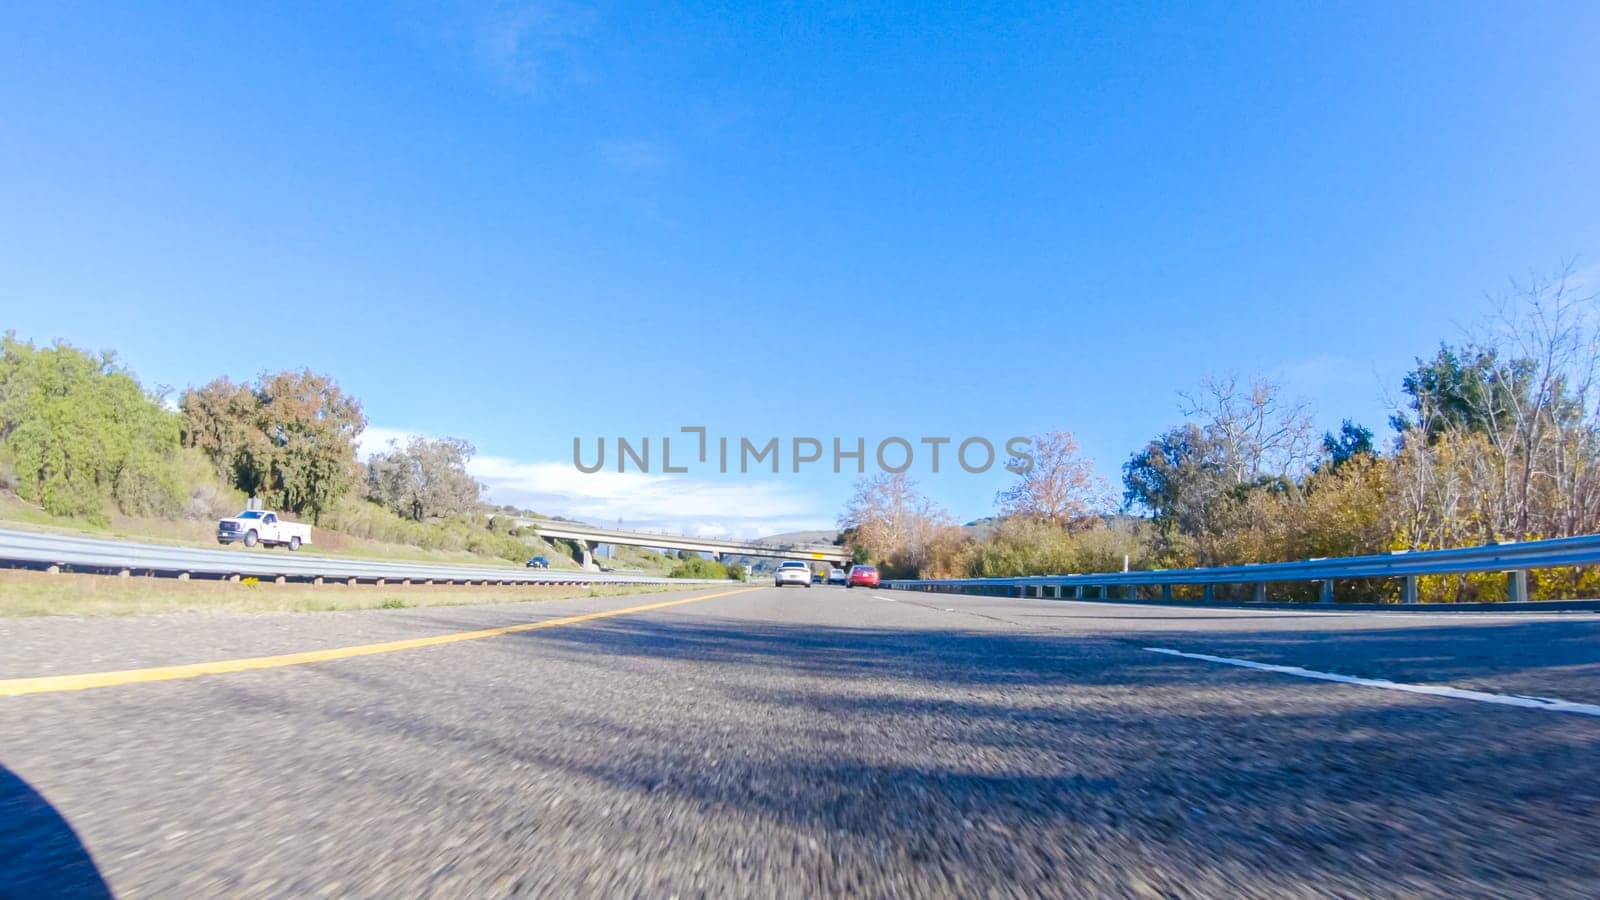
(24, 593)
(15, 513)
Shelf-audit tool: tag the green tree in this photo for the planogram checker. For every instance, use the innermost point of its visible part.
(1352, 441)
(425, 479)
(1183, 480)
(80, 432)
(1466, 389)
(221, 419)
(291, 441)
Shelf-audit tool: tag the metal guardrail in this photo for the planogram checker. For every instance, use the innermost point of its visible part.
(1515, 559)
(66, 553)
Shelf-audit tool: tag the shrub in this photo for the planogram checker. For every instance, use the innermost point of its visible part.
(80, 432)
(697, 567)
(368, 520)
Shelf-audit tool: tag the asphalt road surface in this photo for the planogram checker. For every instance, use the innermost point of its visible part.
(802, 742)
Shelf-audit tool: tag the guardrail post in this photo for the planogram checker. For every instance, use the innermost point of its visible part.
(1210, 595)
(1133, 592)
(1408, 594)
(1261, 592)
(1077, 592)
(1327, 590)
(1166, 592)
(1517, 586)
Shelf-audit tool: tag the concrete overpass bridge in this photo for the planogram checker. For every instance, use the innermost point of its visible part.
(588, 537)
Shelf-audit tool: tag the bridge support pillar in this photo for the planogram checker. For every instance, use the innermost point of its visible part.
(1517, 586)
(586, 555)
(1408, 593)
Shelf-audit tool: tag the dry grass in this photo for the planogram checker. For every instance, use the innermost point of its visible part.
(24, 593)
(16, 513)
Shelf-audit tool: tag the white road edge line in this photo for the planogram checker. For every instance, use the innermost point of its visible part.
(1545, 703)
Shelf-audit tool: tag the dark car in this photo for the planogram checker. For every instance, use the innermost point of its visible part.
(538, 562)
(862, 576)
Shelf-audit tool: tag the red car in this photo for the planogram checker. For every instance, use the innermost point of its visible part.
(862, 576)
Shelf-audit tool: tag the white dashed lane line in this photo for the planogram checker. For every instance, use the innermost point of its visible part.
(1432, 690)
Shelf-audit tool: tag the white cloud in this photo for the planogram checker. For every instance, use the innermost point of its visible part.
(733, 506)
(375, 439)
(707, 507)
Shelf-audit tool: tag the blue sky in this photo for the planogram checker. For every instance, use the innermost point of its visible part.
(524, 222)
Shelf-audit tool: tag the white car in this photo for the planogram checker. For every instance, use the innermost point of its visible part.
(792, 573)
(262, 526)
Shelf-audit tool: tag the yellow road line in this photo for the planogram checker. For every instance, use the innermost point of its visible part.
(50, 684)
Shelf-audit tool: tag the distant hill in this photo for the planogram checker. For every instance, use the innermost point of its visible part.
(980, 529)
(800, 537)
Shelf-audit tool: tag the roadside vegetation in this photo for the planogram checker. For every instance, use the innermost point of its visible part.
(85, 447)
(693, 565)
(1495, 437)
(24, 593)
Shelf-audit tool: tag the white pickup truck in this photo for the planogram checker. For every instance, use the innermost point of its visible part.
(262, 526)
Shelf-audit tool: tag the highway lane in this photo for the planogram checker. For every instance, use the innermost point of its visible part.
(804, 742)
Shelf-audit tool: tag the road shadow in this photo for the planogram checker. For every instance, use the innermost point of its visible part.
(1008, 757)
(40, 854)
(1563, 654)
